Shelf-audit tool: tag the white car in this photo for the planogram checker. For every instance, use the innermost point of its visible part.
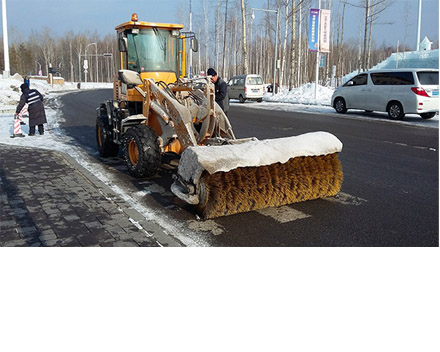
(397, 92)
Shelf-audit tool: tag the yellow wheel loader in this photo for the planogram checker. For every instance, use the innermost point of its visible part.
(156, 110)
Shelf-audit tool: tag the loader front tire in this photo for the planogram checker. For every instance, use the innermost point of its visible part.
(141, 151)
(106, 147)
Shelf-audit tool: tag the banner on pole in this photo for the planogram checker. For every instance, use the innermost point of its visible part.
(322, 60)
(314, 30)
(324, 31)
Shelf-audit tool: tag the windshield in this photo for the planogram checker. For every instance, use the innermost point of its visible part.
(152, 49)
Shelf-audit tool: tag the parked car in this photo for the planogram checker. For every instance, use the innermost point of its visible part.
(246, 87)
(397, 92)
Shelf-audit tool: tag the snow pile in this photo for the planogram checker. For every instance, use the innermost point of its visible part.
(302, 95)
(410, 59)
(10, 89)
(407, 59)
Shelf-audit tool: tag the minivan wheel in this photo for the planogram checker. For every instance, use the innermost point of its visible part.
(241, 99)
(427, 115)
(395, 110)
(340, 106)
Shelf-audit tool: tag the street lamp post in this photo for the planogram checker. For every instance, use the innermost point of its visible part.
(85, 54)
(40, 72)
(276, 43)
(7, 70)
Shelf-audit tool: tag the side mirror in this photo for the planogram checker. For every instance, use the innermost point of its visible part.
(350, 83)
(195, 45)
(130, 78)
(122, 43)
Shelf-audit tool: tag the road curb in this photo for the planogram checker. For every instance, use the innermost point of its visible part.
(150, 228)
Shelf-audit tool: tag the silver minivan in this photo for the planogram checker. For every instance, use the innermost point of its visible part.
(246, 87)
(397, 92)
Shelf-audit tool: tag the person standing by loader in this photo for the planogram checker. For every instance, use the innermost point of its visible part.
(37, 115)
(221, 90)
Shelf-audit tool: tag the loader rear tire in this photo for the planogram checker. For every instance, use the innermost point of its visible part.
(106, 147)
(141, 151)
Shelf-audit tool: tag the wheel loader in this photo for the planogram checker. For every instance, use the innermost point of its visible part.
(156, 109)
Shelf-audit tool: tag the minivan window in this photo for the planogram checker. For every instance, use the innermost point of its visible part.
(254, 80)
(428, 78)
(359, 80)
(392, 78)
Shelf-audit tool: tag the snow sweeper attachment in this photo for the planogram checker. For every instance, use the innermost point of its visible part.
(256, 174)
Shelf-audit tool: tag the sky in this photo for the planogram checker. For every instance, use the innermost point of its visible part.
(103, 15)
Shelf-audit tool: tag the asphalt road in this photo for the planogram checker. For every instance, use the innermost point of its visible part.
(389, 196)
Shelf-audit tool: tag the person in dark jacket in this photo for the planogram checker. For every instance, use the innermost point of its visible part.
(37, 115)
(221, 90)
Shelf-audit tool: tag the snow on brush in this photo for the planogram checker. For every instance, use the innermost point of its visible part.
(255, 153)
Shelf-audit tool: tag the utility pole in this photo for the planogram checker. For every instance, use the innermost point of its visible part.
(276, 43)
(190, 51)
(7, 70)
(317, 55)
(419, 24)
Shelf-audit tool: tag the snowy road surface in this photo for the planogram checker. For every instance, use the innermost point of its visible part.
(372, 162)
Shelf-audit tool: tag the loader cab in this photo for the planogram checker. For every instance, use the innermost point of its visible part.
(154, 50)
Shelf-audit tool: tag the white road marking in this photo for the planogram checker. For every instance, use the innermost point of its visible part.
(346, 199)
(283, 214)
(412, 146)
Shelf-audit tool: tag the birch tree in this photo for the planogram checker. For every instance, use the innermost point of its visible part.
(243, 17)
(295, 65)
(206, 30)
(217, 35)
(373, 9)
(286, 33)
(224, 39)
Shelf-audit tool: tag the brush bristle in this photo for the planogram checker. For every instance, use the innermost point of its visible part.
(253, 188)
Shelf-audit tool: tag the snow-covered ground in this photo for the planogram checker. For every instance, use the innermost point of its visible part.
(298, 100)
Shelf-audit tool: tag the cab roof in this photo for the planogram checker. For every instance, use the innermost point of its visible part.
(132, 24)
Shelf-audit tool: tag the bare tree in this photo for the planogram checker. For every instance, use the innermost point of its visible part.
(224, 39)
(373, 9)
(243, 18)
(286, 34)
(217, 35)
(206, 30)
